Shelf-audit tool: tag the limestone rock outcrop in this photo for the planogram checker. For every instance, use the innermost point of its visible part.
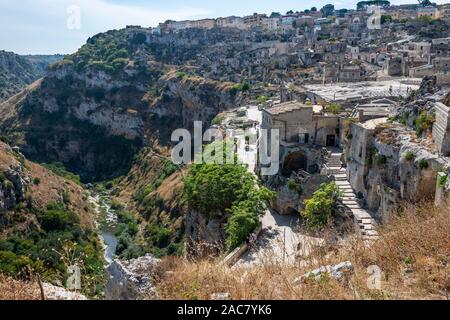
(52, 292)
(131, 280)
(205, 235)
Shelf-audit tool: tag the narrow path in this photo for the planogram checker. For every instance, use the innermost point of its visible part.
(364, 222)
(278, 241)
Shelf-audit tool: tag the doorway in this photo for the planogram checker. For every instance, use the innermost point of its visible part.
(331, 140)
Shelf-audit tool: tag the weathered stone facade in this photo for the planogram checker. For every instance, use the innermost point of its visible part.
(441, 129)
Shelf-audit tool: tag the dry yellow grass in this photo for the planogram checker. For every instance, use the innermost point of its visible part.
(412, 252)
(11, 289)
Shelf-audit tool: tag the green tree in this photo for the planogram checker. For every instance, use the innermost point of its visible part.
(217, 189)
(319, 208)
(327, 10)
(334, 108)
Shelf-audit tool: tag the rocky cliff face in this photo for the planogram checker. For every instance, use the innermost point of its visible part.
(95, 109)
(397, 166)
(16, 71)
(25, 185)
(15, 181)
(131, 280)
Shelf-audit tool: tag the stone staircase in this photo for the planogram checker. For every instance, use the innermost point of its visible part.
(364, 223)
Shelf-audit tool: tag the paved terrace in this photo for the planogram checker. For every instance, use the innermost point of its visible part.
(362, 90)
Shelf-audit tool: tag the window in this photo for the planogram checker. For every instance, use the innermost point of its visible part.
(303, 138)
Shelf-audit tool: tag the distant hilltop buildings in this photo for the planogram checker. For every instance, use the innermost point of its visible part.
(309, 18)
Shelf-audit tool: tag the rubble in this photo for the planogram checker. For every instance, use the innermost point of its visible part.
(336, 271)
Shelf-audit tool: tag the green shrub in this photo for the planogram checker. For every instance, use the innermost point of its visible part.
(213, 188)
(410, 156)
(119, 63)
(227, 188)
(217, 120)
(53, 220)
(442, 181)
(59, 169)
(9, 185)
(12, 264)
(334, 108)
(117, 205)
(181, 74)
(36, 181)
(239, 226)
(66, 197)
(423, 164)
(424, 122)
(244, 86)
(293, 186)
(381, 160)
(158, 235)
(262, 99)
(319, 208)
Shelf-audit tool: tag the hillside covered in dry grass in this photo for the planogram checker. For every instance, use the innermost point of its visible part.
(412, 253)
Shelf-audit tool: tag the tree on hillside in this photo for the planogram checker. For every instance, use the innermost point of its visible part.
(425, 3)
(313, 9)
(327, 10)
(319, 209)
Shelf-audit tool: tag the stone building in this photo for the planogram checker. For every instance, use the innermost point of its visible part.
(429, 11)
(255, 20)
(203, 24)
(440, 47)
(304, 130)
(231, 22)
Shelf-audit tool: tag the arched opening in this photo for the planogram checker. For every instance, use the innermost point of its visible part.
(294, 162)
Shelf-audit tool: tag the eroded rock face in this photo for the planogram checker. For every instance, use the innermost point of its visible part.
(13, 187)
(17, 71)
(52, 292)
(394, 166)
(291, 195)
(204, 235)
(131, 280)
(446, 100)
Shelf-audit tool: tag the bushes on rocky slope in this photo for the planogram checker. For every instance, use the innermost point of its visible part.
(216, 189)
(319, 208)
(412, 253)
(49, 251)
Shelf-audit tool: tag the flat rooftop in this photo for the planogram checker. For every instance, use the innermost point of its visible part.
(286, 107)
(372, 124)
(363, 90)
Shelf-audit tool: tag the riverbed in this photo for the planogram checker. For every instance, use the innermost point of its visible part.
(106, 223)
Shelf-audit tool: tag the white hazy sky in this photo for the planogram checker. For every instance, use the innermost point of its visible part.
(40, 26)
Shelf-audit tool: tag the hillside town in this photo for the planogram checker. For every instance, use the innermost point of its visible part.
(355, 106)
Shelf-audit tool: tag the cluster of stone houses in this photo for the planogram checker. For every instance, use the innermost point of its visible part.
(309, 19)
(375, 149)
(340, 48)
(420, 59)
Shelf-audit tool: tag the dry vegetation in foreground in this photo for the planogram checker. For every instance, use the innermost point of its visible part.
(11, 289)
(413, 253)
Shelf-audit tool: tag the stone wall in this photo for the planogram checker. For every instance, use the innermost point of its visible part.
(441, 129)
(381, 172)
